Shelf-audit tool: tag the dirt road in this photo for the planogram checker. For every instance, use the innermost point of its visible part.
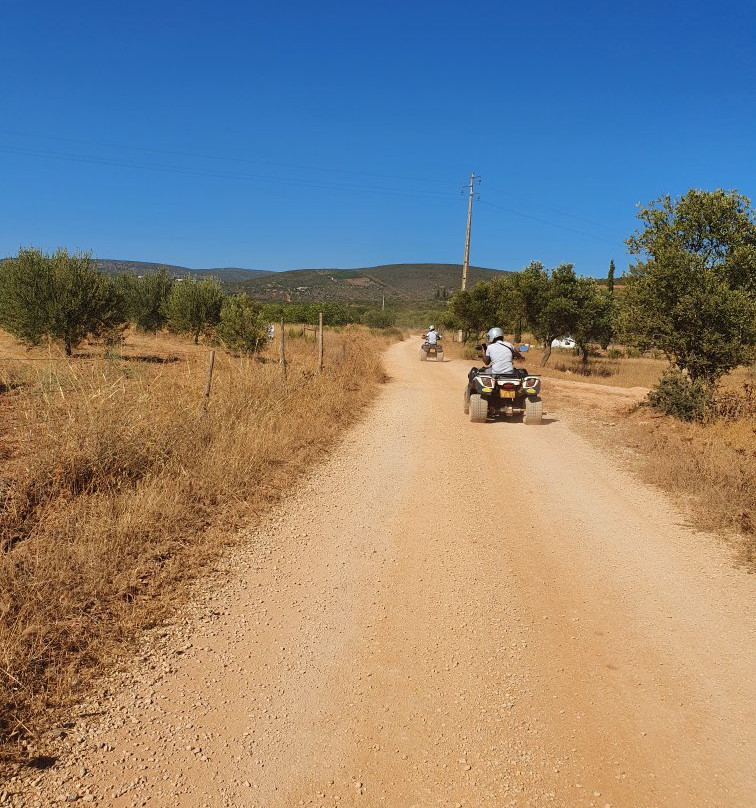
(445, 614)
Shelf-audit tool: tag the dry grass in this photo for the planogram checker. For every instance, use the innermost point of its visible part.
(620, 372)
(116, 489)
(710, 467)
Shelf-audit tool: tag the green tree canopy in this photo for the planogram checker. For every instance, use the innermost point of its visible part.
(560, 309)
(379, 318)
(472, 310)
(693, 295)
(194, 306)
(240, 327)
(334, 314)
(146, 299)
(59, 296)
(550, 305)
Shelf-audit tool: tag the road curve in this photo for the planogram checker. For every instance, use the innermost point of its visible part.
(447, 614)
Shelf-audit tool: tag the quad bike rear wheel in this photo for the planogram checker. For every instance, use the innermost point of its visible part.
(439, 356)
(423, 355)
(533, 410)
(478, 409)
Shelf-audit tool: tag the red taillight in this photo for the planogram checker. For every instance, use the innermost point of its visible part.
(509, 386)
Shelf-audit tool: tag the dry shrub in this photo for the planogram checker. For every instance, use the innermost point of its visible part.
(12, 377)
(682, 397)
(121, 488)
(602, 370)
(711, 466)
(734, 405)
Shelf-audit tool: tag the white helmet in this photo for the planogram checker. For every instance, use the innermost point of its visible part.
(494, 333)
(431, 328)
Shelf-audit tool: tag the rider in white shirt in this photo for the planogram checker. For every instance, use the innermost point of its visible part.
(432, 336)
(499, 355)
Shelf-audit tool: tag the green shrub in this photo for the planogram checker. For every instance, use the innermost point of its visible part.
(240, 327)
(376, 318)
(677, 395)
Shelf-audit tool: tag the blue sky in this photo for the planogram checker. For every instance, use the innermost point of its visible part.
(335, 134)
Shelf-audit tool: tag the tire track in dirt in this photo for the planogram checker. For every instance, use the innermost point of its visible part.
(445, 614)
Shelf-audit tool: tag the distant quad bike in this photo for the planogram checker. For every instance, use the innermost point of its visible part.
(489, 395)
(435, 348)
(428, 350)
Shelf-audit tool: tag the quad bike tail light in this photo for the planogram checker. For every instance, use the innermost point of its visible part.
(532, 384)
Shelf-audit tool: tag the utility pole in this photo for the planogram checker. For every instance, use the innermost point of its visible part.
(383, 302)
(466, 264)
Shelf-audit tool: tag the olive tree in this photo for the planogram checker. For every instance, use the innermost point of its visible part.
(146, 299)
(60, 296)
(472, 310)
(550, 304)
(561, 303)
(240, 327)
(693, 293)
(194, 306)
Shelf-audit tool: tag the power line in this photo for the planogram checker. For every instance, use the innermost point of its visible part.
(226, 158)
(214, 173)
(547, 222)
(561, 211)
(292, 181)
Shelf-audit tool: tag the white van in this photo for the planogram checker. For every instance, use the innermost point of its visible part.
(563, 342)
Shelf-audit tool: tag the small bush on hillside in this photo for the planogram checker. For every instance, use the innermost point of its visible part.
(615, 353)
(679, 396)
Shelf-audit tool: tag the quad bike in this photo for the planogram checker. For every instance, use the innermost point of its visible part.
(490, 394)
(436, 351)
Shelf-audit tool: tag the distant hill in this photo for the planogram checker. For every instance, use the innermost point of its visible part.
(398, 282)
(227, 275)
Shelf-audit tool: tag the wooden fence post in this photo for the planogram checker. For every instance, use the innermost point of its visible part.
(320, 342)
(209, 381)
(282, 350)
